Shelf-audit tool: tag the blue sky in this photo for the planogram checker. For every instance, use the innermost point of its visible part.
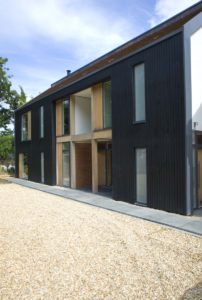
(44, 38)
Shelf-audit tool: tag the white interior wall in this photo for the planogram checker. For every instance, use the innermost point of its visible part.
(82, 115)
(196, 79)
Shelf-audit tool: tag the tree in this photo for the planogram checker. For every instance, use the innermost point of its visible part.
(10, 99)
(6, 148)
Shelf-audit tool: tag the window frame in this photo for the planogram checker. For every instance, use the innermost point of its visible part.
(41, 129)
(136, 177)
(42, 167)
(28, 127)
(134, 110)
(62, 113)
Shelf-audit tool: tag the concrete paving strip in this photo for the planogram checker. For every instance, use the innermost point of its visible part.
(191, 224)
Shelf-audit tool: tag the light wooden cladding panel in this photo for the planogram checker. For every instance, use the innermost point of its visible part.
(59, 118)
(97, 114)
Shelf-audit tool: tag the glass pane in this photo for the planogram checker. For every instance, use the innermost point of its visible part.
(66, 164)
(41, 121)
(65, 117)
(107, 104)
(139, 93)
(24, 127)
(42, 167)
(25, 166)
(141, 176)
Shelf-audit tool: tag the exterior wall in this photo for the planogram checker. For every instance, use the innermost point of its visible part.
(196, 78)
(82, 115)
(163, 133)
(35, 146)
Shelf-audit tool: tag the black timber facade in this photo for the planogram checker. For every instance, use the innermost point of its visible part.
(162, 134)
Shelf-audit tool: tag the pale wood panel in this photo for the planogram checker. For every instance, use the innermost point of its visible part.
(103, 134)
(63, 139)
(94, 166)
(81, 137)
(29, 125)
(58, 118)
(97, 112)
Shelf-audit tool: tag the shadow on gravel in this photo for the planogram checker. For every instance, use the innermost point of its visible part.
(195, 293)
(3, 181)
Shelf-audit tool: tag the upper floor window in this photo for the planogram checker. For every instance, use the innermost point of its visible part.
(107, 109)
(139, 97)
(41, 122)
(65, 117)
(26, 126)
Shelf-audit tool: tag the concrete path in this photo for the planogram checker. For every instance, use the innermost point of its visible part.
(192, 224)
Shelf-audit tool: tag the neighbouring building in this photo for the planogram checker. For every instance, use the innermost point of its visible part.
(128, 123)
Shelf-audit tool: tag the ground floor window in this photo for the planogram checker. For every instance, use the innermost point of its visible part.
(23, 165)
(42, 167)
(141, 175)
(66, 164)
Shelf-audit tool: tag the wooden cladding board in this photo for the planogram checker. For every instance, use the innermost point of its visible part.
(83, 165)
(97, 114)
(59, 118)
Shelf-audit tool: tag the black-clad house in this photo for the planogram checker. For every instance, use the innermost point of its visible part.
(129, 123)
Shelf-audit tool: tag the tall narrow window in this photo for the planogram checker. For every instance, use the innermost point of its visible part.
(42, 167)
(141, 175)
(26, 126)
(66, 164)
(23, 165)
(107, 110)
(139, 97)
(65, 117)
(41, 122)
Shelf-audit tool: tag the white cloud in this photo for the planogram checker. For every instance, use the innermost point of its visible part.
(165, 9)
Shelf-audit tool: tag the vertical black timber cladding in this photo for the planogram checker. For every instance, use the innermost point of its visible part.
(162, 133)
(37, 145)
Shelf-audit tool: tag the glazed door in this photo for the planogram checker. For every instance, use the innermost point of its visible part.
(199, 177)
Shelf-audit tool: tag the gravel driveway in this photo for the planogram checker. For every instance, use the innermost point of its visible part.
(53, 248)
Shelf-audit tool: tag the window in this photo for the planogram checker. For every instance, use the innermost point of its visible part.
(42, 167)
(26, 126)
(65, 117)
(141, 176)
(41, 122)
(139, 97)
(23, 165)
(107, 110)
(66, 164)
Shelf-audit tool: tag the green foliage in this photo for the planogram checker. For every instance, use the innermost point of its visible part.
(10, 99)
(6, 147)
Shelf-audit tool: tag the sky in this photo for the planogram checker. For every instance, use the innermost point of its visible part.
(44, 38)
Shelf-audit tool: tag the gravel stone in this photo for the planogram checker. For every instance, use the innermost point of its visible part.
(54, 248)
